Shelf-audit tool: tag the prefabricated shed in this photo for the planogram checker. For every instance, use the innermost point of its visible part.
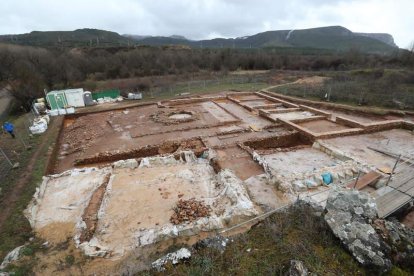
(75, 97)
(57, 99)
(60, 99)
(110, 93)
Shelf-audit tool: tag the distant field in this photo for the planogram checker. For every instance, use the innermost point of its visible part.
(381, 88)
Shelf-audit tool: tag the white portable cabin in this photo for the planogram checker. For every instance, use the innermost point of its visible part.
(74, 97)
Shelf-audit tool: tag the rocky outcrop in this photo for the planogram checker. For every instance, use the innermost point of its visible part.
(349, 214)
(400, 239)
(173, 258)
(297, 268)
(217, 242)
(11, 257)
(386, 38)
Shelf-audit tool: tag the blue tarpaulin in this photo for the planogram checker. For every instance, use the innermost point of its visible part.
(327, 178)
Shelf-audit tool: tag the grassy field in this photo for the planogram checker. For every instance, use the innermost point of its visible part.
(180, 90)
(16, 230)
(380, 88)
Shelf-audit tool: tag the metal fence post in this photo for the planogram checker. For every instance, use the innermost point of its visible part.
(356, 181)
(393, 169)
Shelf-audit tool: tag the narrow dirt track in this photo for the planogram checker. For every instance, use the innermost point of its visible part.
(9, 202)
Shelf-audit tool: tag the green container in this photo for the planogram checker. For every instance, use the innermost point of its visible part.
(57, 99)
(111, 93)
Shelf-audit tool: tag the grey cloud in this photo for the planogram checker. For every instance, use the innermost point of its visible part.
(205, 18)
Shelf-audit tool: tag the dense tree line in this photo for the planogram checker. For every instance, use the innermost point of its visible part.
(27, 71)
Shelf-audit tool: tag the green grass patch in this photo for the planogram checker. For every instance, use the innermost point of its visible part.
(16, 229)
(179, 90)
(389, 88)
(268, 248)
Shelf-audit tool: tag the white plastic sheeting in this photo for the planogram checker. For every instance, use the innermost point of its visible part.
(39, 125)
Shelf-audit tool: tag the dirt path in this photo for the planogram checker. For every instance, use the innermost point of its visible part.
(307, 80)
(9, 201)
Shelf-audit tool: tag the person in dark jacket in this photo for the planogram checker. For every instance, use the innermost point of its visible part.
(9, 127)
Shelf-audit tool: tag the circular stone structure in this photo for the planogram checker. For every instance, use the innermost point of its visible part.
(170, 117)
(180, 116)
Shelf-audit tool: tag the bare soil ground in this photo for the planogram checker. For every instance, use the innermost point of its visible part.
(299, 161)
(320, 126)
(396, 141)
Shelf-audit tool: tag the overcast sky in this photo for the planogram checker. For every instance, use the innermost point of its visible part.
(200, 19)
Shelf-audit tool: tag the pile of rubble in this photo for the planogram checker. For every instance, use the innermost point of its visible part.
(189, 210)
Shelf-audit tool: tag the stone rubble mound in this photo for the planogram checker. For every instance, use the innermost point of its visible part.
(173, 258)
(189, 210)
(349, 214)
(400, 240)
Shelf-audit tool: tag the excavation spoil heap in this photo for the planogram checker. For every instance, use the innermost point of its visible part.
(189, 210)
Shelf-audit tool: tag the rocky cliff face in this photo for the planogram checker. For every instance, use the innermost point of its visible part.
(386, 38)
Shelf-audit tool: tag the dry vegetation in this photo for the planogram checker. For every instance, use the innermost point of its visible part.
(27, 71)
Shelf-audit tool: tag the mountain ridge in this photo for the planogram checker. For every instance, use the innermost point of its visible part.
(331, 37)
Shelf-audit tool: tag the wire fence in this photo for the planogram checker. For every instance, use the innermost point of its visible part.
(353, 93)
(5, 164)
(12, 150)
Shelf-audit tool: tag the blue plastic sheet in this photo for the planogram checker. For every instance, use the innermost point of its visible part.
(327, 178)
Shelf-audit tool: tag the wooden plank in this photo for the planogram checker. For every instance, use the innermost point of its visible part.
(395, 206)
(403, 193)
(365, 180)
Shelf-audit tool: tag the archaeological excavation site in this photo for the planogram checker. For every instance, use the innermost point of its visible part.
(128, 183)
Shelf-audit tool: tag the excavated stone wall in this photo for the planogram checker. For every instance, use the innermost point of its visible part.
(283, 141)
(166, 148)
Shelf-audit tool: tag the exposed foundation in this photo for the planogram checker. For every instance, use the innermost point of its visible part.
(118, 174)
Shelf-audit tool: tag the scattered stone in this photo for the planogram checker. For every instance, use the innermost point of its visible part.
(400, 240)
(217, 242)
(297, 268)
(11, 257)
(129, 163)
(173, 258)
(349, 214)
(189, 210)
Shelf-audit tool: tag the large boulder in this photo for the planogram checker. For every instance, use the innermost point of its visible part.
(349, 214)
